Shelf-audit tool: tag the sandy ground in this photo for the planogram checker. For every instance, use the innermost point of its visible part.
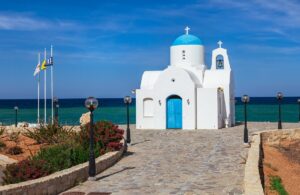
(28, 145)
(282, 159)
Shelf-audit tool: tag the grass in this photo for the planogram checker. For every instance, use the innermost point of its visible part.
(277, 185)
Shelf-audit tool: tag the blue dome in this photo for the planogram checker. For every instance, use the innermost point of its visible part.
(187, 39)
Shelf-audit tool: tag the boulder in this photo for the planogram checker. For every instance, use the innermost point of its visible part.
(85, 118)
(23, 124)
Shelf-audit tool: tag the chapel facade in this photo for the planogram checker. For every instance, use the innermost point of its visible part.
(188, 95)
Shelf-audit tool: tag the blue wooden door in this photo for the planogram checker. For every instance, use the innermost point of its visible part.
(174, 113)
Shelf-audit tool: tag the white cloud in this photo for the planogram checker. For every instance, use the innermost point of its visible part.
(21, 22)
(27, 22)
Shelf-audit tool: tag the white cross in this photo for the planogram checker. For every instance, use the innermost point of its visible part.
(220, 44)
(187, 30)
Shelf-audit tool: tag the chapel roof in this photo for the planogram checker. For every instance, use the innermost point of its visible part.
(187, 39)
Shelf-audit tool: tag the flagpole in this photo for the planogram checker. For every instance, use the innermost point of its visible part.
(38, 103)
(45, 89)
(52, 85)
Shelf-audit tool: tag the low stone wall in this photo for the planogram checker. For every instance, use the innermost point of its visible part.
(61, 180)
(274, 137)
(252, 181)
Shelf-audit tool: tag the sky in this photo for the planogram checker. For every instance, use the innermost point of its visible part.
(102, 48)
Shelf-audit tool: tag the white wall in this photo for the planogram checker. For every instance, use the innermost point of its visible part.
(144, 122)
(176, 81)
(194, 55)
(171, 81)
(207, 108)
(221, 78)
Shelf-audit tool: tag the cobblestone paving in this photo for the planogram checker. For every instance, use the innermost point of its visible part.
(179, 162)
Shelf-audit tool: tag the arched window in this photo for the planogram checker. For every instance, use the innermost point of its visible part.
(219, 62)
(148, 107)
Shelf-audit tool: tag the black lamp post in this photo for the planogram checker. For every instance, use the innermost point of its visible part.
(55, 102)
(298, 109)
(127, 101)
(245, 100)
(279, 98)
(56, 113)
(91, 104)
(16, 115)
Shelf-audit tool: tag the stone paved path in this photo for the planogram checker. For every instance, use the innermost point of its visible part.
(179, 162)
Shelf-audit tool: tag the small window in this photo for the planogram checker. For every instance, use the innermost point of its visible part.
(183, 54)
(220, 62)
(148, 107)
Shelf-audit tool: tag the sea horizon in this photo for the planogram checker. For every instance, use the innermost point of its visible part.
(260, 109)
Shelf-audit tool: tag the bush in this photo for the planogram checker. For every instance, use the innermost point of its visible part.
(15, 150)
(49, 134)
(276, 184)
(113, 146)
(63, 156)
(106, 134)
(66, 149)
(25, 170)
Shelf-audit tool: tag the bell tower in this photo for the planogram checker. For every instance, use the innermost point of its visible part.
(220, 60)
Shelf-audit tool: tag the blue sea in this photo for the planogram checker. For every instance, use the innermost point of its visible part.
(113, 109)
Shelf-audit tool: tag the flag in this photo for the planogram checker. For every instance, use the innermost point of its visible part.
(50, 61)
(44, 64)
(37, 69)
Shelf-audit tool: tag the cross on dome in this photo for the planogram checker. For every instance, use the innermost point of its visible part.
(220, 44)
(187, 30)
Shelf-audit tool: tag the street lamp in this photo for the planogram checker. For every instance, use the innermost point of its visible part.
(245, 100)
(56, 114)
(127, 101)
(279, 98)
(55, 102)
(298, 109)
(16, 115)
(91, 104)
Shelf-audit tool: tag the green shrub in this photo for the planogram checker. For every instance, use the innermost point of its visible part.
(65, 149)
(25, 170)
(63, 156)
(276, 184)
(49, 134)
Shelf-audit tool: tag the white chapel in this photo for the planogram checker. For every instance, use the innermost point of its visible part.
(188, 95)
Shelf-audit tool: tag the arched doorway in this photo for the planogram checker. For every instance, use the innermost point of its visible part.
(174, 112)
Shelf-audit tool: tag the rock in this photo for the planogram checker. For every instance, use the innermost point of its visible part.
(23, 124)
(85, 118)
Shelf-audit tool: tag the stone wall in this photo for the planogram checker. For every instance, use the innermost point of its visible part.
(274, 137)
(61, 180)
(252, 181)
